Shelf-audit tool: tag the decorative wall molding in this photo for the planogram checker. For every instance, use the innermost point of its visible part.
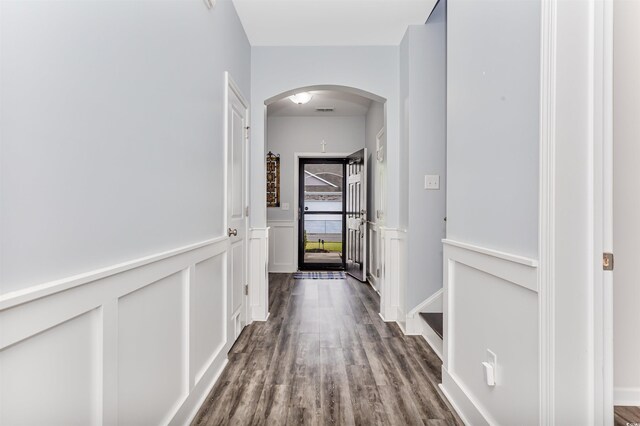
(393, 273)
(626, 396)
(374, 263)
(526, 261)
(502, 270)
(105, 324)
(546, 232)
(34, 292)
(514, 269)
(258, 273)
(283, 246)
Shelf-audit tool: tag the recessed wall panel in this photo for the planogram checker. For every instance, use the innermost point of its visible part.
(53, 377)
(150, 352)
(207, 312)
(237, 253)
(491, 313)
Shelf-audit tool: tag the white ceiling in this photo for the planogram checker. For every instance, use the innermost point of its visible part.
(330, 22)
(345, 104)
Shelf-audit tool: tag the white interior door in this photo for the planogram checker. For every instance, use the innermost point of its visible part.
(237, 136)
(356, 253)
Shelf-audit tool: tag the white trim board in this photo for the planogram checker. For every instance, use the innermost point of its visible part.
(626, 397)
(546, 214)
(511, 268)
(526, 261)
(393, 274)
(258, 261)
(32, 293)
(433, 340)
(466, 407)
(374, 252)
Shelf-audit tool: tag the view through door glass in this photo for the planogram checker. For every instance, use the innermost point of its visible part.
(323, 215)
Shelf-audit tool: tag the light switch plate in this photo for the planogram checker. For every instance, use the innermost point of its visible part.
(285, 206)
(432, 182)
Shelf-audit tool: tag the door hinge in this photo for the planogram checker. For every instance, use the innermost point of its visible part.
(246, 211)
(247, 132)
(246, 289)
(607, 261)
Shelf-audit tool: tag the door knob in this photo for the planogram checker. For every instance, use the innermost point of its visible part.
(233, 232)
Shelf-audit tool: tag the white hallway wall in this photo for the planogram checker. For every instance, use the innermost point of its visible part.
(492, 204)
(112, 142)
(626, 203)
(424, 125)
(92, 147)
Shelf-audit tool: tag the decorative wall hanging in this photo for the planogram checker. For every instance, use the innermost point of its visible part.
(273, 180)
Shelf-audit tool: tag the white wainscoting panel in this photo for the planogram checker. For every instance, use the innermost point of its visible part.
(374, 264)
(393, 257)
(259, 256)
(151, 383)
(140, 342)
(237, 251)
(283, 244)
(207, 314)
(53, 377)
(491, 302)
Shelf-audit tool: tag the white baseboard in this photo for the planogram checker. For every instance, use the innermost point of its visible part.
(626, 396)
(432, 338)
(432, 304)
(198, 395)
(464, 405)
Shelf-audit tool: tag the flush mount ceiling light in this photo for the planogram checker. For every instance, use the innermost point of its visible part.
(301, 98)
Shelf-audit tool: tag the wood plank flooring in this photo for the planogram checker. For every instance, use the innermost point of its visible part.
(626, 416)
(325, 357)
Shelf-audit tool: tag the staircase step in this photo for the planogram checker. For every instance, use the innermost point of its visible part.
(435, 321)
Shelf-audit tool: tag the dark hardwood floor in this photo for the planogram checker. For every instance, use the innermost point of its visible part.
(626, 416)
(325, 357)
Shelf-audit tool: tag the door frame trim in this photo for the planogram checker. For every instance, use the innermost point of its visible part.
(296, 188)
(230, 86)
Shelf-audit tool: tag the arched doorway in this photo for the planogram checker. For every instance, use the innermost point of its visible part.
(335, 122)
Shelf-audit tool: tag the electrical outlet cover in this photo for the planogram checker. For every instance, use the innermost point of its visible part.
(432, 182)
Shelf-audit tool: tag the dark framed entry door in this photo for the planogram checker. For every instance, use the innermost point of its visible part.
(356, 215)
(321, 214)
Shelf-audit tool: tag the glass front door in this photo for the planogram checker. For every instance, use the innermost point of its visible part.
(322, 214)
